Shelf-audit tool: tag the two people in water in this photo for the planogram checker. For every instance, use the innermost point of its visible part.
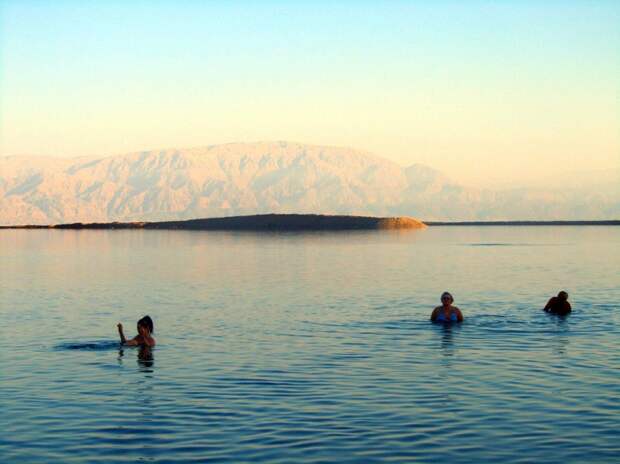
(145, 334)
(449, 313)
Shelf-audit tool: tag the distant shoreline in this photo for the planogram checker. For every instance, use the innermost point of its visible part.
(261, 222)
(300, 222)
(610, 222)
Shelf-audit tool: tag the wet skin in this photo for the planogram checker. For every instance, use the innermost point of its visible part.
(447, 309)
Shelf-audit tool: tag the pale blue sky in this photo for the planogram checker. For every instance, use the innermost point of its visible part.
(490, 92)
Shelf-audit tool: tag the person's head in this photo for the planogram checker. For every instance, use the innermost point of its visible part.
(563, 296)
(446, 298)
(145, 323)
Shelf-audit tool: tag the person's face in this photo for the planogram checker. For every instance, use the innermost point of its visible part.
(446, 300)
(143, 330)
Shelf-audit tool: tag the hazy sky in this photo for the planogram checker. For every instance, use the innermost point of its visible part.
(488, 92)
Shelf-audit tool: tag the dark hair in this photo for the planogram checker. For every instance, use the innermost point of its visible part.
(563, 295)
(147, 322)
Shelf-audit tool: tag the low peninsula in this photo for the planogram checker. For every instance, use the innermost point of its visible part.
(261, 222)
(608, 222)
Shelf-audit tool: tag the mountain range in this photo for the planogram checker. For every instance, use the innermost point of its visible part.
(266, 177)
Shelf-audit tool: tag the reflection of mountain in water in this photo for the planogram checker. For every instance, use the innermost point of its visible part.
(258, 178)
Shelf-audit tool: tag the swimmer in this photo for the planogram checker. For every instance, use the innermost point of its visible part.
(144, 337)
(558, 304)
(446, 312)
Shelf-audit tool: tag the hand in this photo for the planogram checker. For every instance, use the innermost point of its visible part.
(120, 327)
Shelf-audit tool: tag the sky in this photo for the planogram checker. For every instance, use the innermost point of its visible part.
(491, 93)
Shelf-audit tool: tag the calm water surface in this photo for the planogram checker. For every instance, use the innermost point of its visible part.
(310, 347)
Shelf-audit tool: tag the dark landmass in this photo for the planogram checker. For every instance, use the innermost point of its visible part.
(262, 222)
(611, 222)
(301, 222)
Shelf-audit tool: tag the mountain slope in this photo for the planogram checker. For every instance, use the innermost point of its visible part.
(281, 177)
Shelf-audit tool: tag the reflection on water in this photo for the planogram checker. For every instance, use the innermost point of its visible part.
(144, 356)
(561, 337)
(310, 347)
(447, 341)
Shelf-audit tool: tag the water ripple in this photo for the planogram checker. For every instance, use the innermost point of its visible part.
(311, 349)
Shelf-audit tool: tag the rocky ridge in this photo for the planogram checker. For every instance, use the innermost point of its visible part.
(259, 178)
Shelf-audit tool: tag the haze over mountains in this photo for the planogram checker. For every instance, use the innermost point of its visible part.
(264, 177)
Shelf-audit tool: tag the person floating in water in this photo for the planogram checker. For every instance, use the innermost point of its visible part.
(558, 304)
(446, 312)
(144, 337)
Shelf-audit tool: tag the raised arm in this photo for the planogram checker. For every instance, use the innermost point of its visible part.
(124, 341)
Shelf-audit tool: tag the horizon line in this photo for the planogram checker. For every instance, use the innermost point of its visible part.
(517, 222)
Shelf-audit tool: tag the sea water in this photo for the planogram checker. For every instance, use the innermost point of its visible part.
(310, 347)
